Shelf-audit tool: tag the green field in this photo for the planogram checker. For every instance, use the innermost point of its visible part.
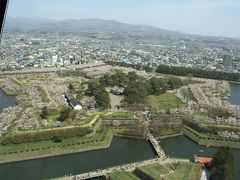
(53, 115)
(165, 101)
(185, 171)
(122, 175)
(155, 170)
(177, 171)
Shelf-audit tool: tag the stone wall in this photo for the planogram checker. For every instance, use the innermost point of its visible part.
(119, 122)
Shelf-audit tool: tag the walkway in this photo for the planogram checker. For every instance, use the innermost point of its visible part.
(156, 146)
(125, 167)
(152, 139)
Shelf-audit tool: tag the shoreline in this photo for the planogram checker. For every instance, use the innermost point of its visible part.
(233, 82)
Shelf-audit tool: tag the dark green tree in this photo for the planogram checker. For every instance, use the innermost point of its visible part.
(92, 87)
(64, 114)
(70, 87)
(136, 93)
(100, 94)
(102, 99)
(56, 139)
(223, 164)
(44, 112)
(132, 76)
(80, 93)
(148, 87)
(174, 83)
(119, 78)
(106, 80)
(158, 86)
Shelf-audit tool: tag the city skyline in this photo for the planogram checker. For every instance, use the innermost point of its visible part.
(214, 18)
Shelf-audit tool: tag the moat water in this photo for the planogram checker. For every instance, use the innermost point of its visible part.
(183, 147)
(121, 151)
(6, 101)
(235, 94)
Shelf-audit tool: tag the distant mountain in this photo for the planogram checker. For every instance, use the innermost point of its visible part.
(26, 24)
(21, 23)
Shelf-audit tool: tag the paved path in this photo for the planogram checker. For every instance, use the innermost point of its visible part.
(152, 139)
(156, 146)
(125, 167)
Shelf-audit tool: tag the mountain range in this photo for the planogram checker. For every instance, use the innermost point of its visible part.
(100, 25)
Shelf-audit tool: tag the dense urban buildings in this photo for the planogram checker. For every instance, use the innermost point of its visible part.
(46, 48)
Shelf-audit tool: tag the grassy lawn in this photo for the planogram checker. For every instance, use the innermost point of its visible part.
(182, 171)
(155, 170)
(185, 171)
(127, 114)
(88, 119)
(165, 101)
(122, 175)
(53, 116)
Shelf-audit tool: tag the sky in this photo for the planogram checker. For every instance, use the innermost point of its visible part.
(205, 17)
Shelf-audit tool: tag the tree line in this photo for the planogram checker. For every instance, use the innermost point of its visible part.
(184, 71)
(201, 73)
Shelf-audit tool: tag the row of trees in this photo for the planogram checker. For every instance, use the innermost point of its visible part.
(201, 73)
(184, 71)
(135, 66)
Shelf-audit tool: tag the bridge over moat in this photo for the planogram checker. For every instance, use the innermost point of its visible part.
(161, 158)
(156, 146)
